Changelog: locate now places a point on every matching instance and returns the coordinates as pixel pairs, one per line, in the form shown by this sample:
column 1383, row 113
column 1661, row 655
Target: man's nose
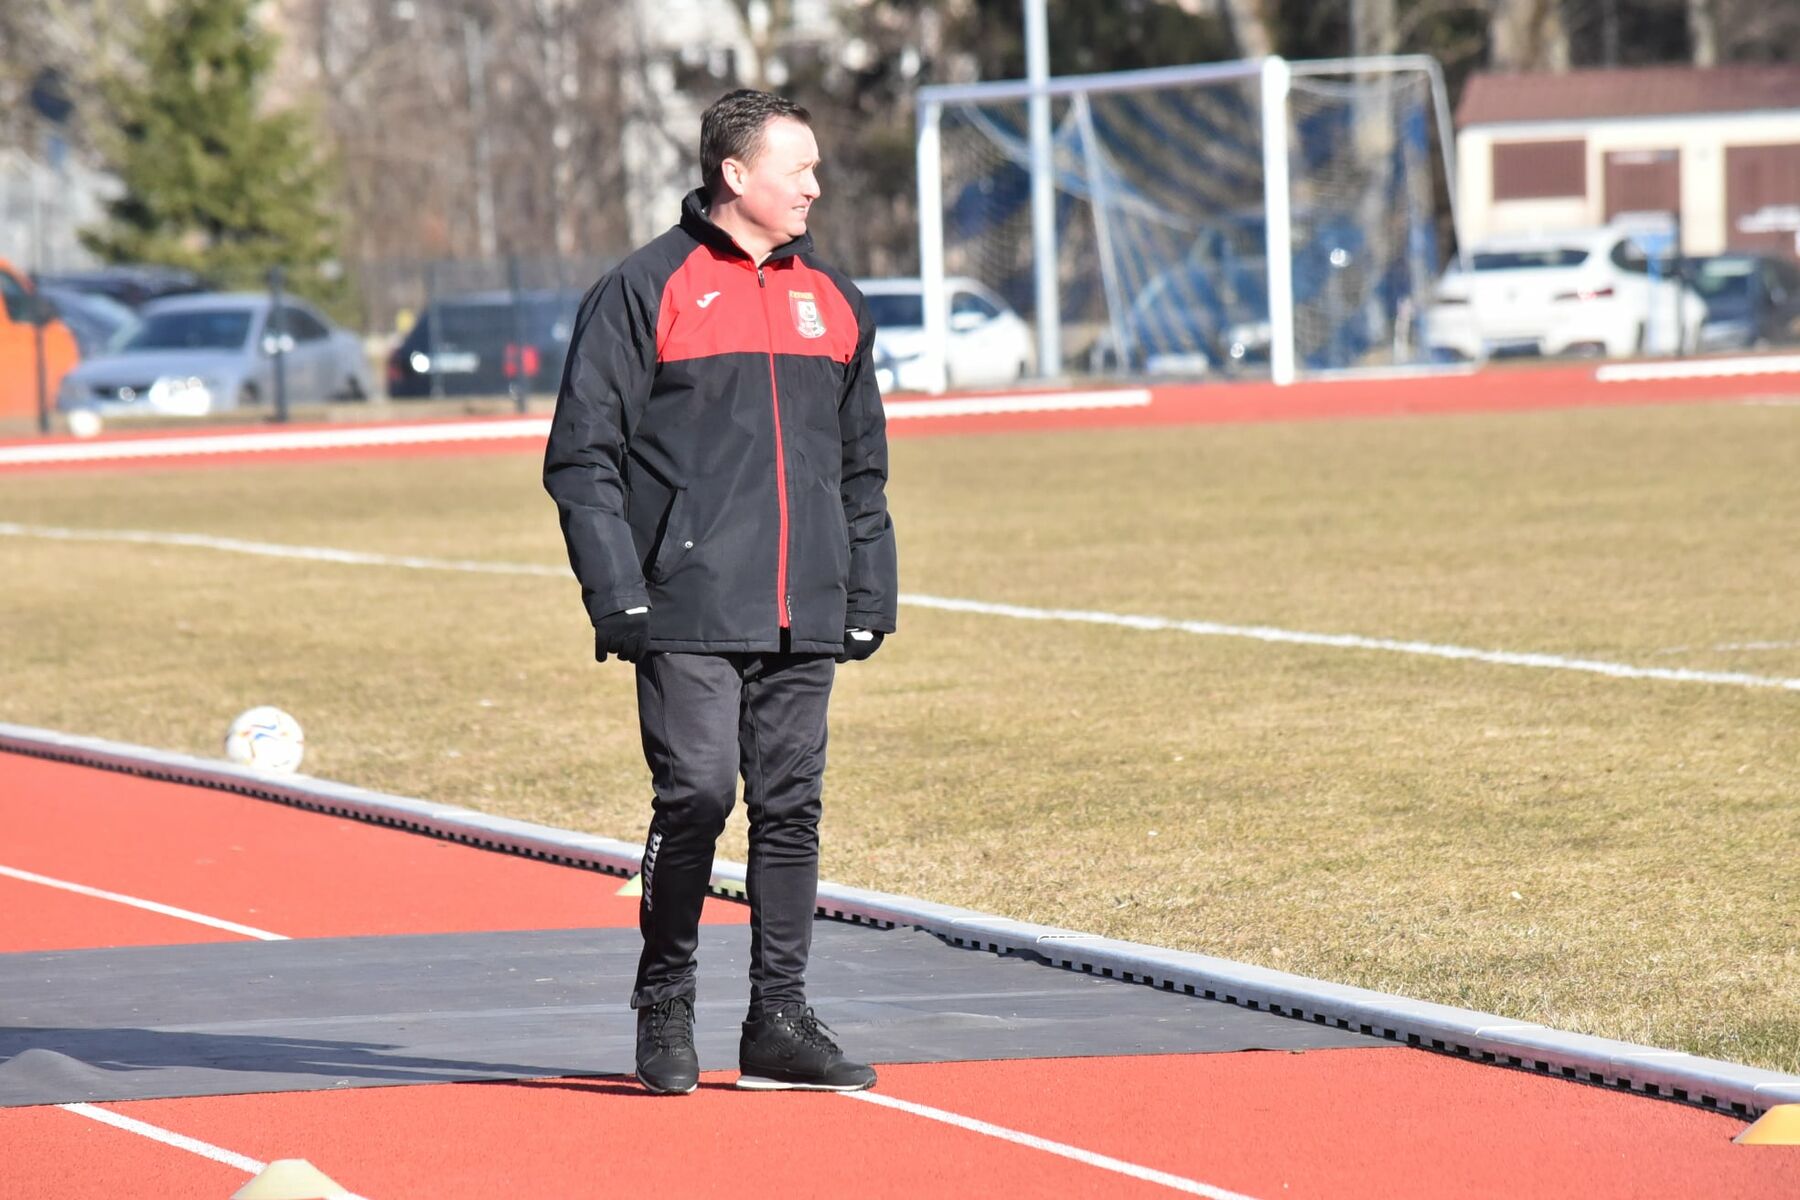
column 809, row 186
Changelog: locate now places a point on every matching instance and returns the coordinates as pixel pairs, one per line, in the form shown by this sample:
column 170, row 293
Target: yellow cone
column 290, row 1179
column 1780, row 1126
column 633, row 887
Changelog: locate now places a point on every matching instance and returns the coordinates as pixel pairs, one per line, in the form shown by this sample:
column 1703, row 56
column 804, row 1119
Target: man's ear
column 735, row 175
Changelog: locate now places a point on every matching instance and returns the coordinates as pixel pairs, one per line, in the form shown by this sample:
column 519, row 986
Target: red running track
column 1523, row 388
column 1375, row 1123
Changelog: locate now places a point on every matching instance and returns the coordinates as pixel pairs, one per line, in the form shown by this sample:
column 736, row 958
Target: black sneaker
column 666, row 1062
column 788, row 1048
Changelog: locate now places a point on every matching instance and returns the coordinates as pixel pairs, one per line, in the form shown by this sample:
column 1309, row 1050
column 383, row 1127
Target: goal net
column 1198, row 229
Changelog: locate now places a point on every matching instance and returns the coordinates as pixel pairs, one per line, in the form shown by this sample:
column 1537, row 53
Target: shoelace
column 814, row 1031
column 677, row 1013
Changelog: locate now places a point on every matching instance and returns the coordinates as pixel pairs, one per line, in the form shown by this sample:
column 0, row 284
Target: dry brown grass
column 1619, row 857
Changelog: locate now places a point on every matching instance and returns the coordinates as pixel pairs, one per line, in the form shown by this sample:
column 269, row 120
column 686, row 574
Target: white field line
column 1779, row 364
column 1350, row 641
column 355, row 558
column 180, row 1141
column 166, row 910
column 1192, row 1187
column 536, row 428
column 1261, row 633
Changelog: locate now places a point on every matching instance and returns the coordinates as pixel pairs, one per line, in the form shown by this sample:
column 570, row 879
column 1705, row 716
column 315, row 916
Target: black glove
column 860, row 643
column 626, row 634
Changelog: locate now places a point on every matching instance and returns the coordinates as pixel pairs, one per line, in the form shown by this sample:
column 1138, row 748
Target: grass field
column 1618, row 856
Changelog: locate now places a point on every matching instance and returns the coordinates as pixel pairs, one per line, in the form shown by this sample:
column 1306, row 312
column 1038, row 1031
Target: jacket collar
column 700, row 227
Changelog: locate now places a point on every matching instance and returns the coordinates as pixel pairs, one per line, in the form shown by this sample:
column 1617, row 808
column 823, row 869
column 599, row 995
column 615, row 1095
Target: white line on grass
column 355, row 558
column 180, row 1141
column 166, row 910
column 1192, row 1187
column 1350, row 641
column 1261, row 633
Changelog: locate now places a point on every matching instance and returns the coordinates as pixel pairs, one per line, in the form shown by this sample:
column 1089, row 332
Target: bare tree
column 1373, row 27
column 1527, row 35
column 1703, row 33
column 1249, row 26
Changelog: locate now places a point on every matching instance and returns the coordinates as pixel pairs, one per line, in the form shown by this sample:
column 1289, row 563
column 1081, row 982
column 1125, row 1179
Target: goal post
column 1260, row 216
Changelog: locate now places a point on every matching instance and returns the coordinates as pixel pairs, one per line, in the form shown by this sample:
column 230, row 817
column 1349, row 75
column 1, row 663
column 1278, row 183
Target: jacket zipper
column 782, row 603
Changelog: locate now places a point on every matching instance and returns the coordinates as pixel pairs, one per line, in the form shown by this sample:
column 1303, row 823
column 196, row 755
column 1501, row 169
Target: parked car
column 1581, row 292
column 131, row 286
column 1751, row 300
column 100, row 324
column 22, row 313
column 217, row 351
column 989, row 344
column 481, row 343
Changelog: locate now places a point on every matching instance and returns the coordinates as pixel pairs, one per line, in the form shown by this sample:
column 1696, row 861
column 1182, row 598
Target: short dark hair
column 733, row 128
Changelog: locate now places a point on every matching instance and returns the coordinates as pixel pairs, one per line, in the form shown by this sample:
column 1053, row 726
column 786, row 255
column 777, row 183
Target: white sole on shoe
column 762, row 1083
column 656, row 1091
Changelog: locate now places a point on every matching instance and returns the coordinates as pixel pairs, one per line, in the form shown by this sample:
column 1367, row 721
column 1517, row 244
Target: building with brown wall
column 1718, row 147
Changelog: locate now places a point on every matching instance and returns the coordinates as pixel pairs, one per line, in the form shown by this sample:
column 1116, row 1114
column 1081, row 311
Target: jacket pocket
column 672, row 538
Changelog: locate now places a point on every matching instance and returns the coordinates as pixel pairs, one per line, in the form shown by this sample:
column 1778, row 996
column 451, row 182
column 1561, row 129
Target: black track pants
column 706, row 719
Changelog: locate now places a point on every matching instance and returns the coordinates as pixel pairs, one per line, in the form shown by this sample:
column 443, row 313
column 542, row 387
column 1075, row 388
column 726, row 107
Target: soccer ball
column 265, row 738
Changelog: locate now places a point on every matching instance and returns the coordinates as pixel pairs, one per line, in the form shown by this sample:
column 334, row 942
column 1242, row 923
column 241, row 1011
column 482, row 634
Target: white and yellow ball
column 266, row 738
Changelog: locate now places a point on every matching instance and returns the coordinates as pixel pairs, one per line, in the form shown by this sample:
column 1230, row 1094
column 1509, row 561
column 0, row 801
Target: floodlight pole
column 1043, row 190
column 1278, row 219
column 931, row 244
column 278, row 320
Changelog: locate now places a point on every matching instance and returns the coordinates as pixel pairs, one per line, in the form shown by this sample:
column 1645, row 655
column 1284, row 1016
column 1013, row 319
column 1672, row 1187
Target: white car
column 1578, row 292
column 989, row 344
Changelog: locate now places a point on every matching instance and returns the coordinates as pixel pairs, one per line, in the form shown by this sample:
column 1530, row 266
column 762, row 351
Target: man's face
column 777, row 186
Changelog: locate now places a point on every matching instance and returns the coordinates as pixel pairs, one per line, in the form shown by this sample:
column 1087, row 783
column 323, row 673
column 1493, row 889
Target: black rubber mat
column 234, row 1017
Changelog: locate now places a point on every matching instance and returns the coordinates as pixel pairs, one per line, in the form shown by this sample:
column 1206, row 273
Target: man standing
column 719, row 461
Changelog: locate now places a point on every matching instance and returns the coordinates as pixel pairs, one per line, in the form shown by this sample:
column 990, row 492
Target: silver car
column 215, row 351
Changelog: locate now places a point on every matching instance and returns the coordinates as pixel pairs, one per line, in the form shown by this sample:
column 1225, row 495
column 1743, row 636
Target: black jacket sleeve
column 874, row 584
column 606, row 382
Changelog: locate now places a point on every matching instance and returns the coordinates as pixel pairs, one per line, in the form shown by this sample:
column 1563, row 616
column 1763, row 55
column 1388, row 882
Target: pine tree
column 212, row 181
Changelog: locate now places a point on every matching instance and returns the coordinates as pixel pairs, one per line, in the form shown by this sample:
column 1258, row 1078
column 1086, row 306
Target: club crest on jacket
column 807, row 320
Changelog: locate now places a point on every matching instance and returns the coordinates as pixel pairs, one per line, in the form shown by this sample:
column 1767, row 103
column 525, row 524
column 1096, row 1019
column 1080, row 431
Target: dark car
column 483, row 343
column 133, row 287
column 1751, row 300
column 100, row 323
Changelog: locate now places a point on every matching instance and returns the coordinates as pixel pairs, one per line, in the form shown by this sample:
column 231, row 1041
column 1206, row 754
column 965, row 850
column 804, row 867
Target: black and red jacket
column 719, row 451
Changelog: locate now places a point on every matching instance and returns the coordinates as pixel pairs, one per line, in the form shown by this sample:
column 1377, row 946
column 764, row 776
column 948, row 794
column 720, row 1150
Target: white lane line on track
column 537, row 428
column 1179, row 1183
column 1262, row 633
column 148, row 905
column 167, row 1137
column 974, row 406
column 1777, row 364
column 256, row 443
column 180, row 1141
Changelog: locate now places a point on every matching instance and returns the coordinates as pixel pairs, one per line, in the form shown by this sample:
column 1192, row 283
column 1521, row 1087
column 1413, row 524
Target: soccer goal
column 1246, row 217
